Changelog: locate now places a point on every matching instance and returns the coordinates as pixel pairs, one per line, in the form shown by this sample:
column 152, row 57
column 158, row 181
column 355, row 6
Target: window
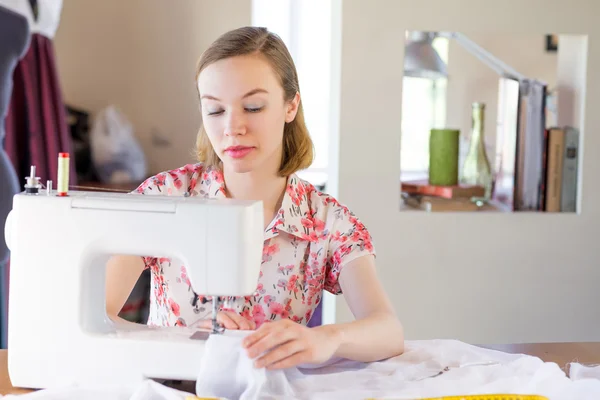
column 305, row 27
column 423, row 108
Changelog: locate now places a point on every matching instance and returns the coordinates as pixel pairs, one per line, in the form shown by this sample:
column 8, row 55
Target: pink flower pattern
column 306, row 246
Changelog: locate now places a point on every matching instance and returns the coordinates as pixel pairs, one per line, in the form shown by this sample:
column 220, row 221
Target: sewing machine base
column 96, row 362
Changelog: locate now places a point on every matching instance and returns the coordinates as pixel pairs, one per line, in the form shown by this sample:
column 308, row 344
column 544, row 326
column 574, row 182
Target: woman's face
column 244, row 112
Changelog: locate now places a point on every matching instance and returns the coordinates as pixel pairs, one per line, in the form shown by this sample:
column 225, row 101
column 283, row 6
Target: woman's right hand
column 230, row 320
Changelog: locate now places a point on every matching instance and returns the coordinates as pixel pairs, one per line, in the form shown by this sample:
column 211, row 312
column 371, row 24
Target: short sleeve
column 349, row 239
column 169, row 183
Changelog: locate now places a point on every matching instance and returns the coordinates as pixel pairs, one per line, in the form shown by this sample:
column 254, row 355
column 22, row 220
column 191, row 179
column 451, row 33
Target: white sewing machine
column 59, row 333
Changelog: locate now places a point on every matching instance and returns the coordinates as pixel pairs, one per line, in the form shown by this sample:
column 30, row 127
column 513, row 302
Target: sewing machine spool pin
column 32, row 185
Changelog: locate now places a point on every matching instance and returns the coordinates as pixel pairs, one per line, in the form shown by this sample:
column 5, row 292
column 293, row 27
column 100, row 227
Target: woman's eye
column 253, row 109
column 216, row 112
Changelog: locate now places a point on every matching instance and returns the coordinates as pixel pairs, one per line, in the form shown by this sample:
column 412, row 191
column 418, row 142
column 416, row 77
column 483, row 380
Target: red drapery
column 36, row 124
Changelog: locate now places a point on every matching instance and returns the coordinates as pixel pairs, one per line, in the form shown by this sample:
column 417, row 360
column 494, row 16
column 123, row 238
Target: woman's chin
column 241, row 166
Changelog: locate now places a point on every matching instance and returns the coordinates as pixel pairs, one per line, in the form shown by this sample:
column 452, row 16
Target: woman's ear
column 292, row 108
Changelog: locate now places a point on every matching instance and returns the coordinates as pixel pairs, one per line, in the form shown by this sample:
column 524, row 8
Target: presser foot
column 217, row 327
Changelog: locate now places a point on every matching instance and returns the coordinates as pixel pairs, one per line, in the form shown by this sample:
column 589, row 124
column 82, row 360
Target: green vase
column 443, row 157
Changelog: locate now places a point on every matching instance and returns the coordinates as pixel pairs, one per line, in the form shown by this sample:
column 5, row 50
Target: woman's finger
column 276, row 337
column 227, row 320
column 202, row 324
column 260, row 333
column 291, row 361
column 280, row 353
column 241, row 322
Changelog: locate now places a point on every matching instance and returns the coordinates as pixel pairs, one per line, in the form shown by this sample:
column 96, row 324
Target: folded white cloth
column 580, row 371
column 427, row 369
column 226, row 371
column 431, row 368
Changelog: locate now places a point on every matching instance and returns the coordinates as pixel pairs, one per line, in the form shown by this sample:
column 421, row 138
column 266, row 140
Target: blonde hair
column 297, row 145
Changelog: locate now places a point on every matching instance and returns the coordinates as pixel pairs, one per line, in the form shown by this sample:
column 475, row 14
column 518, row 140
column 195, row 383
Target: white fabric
column 148, row 390
column 48, row 16
column 580, row 371
column 226, row 371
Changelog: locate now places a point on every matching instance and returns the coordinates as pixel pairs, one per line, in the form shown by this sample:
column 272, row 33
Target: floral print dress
column 305, row 247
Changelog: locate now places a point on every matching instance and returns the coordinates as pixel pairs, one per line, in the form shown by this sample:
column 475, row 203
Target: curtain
column 36, row 124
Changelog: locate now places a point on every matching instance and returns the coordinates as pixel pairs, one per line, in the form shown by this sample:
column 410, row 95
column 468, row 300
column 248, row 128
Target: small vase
column 443, row 157
column 476, row 167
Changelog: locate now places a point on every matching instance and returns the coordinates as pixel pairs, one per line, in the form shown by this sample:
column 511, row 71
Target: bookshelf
column 481, row 277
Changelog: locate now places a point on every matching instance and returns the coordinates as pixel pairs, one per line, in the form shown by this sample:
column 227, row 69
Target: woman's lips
column 238, row 151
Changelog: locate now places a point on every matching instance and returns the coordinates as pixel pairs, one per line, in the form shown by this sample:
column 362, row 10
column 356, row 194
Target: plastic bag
column 116, row 154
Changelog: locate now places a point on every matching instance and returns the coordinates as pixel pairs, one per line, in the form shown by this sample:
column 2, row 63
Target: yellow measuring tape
column 486, row 397
column 468, row 397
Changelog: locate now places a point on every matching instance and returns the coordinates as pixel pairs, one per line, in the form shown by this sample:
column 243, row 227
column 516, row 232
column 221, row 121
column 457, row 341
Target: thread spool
column 62, row 182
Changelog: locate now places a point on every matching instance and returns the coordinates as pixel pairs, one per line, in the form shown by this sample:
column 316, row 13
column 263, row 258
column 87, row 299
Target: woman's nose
column 235, row 124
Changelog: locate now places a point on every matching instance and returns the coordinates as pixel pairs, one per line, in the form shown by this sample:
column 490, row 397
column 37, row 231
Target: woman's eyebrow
column 254, row 91
column 250, row 93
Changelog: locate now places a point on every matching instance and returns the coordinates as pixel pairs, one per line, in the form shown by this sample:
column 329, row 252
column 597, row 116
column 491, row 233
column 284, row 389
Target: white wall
column 141, row 56
column 478, row 277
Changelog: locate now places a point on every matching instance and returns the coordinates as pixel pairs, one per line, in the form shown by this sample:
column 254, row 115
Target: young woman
column 252, row 142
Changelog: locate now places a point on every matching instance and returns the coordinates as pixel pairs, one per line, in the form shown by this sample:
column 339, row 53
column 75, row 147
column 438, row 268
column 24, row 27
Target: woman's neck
column 257, row 185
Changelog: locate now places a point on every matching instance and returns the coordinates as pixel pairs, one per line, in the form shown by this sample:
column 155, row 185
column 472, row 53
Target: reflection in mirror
column 479, row 122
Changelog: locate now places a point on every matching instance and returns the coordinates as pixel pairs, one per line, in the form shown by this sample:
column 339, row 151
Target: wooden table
column 559, row 353
column 5, row 386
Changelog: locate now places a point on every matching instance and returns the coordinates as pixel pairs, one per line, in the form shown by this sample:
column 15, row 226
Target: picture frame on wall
column 551, row 43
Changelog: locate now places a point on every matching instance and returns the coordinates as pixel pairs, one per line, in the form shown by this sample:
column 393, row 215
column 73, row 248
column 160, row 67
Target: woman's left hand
column 285, row 344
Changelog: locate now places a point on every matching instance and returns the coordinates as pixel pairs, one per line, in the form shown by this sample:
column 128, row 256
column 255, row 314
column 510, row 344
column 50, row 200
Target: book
column 568, row 199
column 561, row 166
column 554, row 176
column 506, row 140
column 530, row 145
